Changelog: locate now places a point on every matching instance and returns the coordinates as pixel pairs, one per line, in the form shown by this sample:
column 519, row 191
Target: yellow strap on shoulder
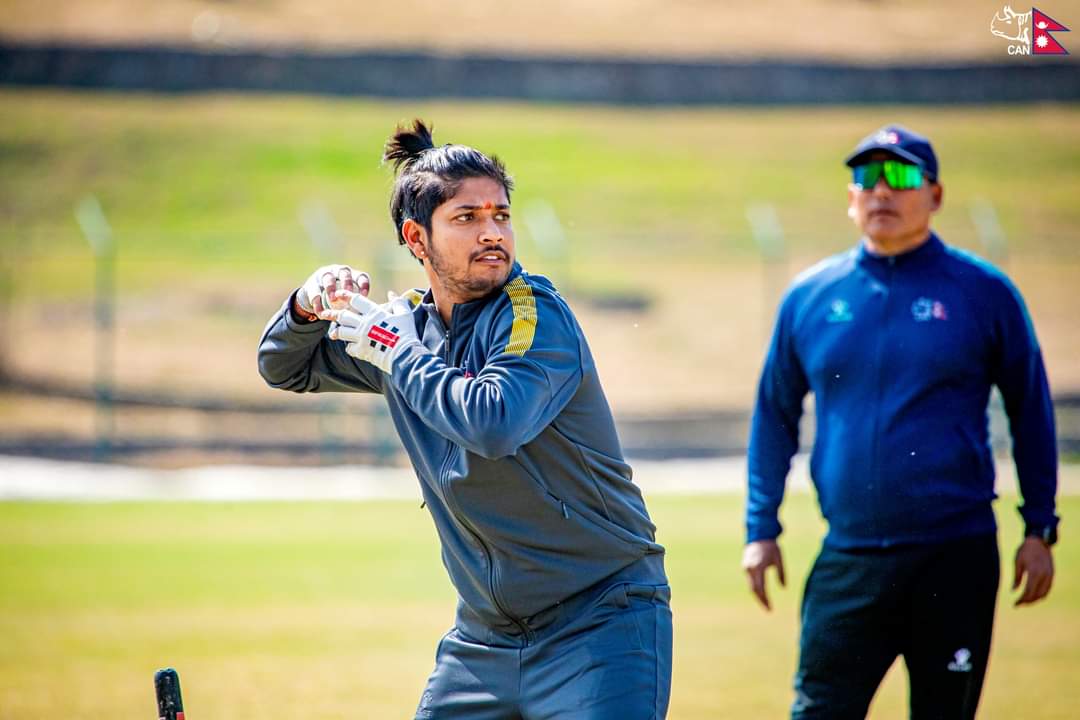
column 524, row 304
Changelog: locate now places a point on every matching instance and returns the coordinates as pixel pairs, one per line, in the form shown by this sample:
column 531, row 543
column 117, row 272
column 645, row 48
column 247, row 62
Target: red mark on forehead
column 488, row 205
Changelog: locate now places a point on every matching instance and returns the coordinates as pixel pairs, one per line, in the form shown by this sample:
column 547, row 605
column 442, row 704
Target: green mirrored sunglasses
column 898, row 175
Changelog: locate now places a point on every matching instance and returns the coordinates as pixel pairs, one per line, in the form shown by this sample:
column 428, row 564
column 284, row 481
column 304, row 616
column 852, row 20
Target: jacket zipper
column 880, row 361
column 452, row 502
column 443, row 471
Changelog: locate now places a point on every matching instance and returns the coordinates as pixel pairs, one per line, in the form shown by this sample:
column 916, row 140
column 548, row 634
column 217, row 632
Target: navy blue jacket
column 900, row 354
column 506, row 424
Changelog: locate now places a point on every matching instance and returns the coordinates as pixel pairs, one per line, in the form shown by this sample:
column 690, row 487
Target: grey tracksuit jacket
column 511, row 437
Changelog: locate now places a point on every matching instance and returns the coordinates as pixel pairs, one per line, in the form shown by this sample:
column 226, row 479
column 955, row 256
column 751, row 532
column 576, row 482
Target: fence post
column 7, row 293
column 325, row 237
column 95, row 227
column 769, row 237
column 391, row 262
column 987, row 226
column 548, row 235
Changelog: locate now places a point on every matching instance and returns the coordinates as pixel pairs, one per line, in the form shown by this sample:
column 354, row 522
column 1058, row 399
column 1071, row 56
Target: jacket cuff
column 298, row 323
column 762, row 530
column 1038, row 518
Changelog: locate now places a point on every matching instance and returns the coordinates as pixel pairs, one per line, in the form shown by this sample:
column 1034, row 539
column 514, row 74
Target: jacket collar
column 922, row 256
column 467, row 312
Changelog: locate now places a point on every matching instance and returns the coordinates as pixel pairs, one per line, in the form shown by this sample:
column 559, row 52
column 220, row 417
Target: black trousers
column 932, row 604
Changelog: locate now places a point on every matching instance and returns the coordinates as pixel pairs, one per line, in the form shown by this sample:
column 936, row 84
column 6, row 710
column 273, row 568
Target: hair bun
column 407, row 144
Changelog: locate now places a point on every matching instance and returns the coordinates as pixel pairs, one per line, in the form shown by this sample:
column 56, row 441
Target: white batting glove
column 327, row 289
column 376, row 333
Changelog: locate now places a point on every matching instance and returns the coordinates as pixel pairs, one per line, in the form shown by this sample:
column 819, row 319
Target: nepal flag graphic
column 1042, row 42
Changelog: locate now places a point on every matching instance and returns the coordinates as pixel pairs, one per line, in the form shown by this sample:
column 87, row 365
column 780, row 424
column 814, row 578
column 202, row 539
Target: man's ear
column 415, row 236
column 937, row 193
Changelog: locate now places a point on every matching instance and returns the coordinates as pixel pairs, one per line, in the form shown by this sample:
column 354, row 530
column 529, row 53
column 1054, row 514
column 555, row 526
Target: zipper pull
column 565, row 510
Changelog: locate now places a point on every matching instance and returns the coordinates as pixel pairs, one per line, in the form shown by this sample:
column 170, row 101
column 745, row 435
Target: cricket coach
column 900, row 341
column 563, row 601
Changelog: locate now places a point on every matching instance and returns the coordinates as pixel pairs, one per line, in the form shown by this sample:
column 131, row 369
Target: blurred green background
column 208, row 197
column 207, row 183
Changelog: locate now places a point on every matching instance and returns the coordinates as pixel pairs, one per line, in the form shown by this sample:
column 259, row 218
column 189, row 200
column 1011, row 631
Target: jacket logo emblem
column 383, row 336
column 887, row 137
column 839, row 311
column 961, row 661
column 925, row 310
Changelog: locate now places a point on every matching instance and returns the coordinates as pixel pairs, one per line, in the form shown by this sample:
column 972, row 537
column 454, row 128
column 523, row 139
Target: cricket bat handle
column 167, row 687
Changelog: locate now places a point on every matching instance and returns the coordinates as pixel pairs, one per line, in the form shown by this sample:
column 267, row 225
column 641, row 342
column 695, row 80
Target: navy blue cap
column 899, row 141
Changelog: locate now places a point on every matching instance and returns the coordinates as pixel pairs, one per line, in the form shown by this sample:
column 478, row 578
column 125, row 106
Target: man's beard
column 461, row 284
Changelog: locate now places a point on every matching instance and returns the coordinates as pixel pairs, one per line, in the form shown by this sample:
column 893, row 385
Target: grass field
column 212, row 180
column 204, row 193
column 319, row 610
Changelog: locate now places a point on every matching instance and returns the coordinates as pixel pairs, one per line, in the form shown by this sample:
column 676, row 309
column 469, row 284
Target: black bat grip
column 167, row 687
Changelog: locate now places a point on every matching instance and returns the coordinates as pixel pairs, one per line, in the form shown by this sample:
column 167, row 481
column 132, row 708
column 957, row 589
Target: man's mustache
column 490, row 251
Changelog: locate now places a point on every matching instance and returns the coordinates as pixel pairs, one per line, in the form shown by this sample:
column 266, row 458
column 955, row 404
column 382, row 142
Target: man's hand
column 756, row 559
column 1033, row 559
column 329, row 288
column 375, row 333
